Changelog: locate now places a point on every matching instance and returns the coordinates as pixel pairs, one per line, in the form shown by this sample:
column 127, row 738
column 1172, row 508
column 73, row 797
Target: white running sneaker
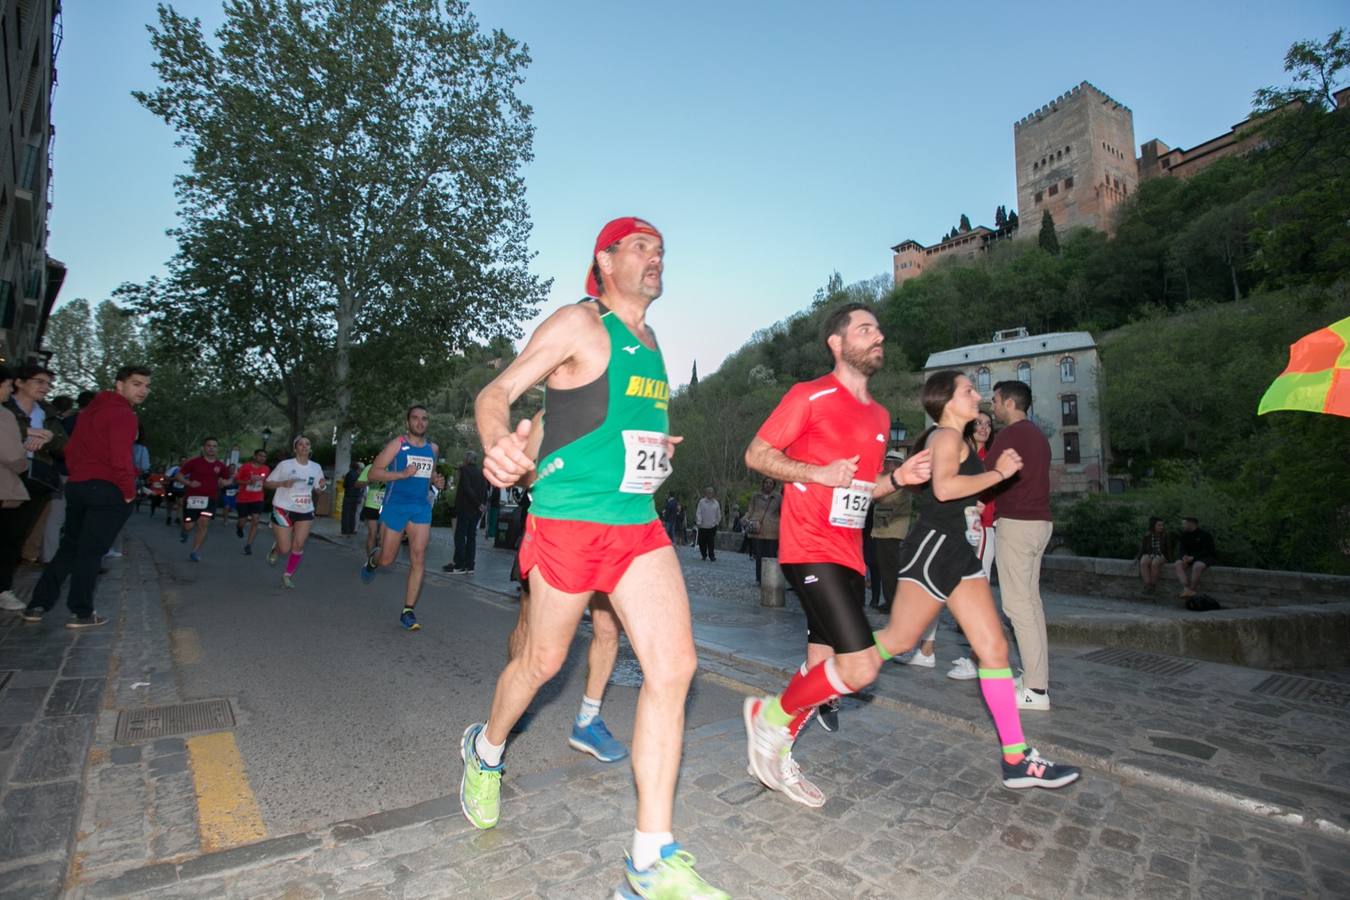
column 963, row 669
column 795, row 785
column 763, row 743
column 10, row 601
column 917, row 658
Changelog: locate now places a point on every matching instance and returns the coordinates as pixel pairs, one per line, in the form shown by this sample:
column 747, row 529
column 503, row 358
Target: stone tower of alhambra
column 1075, row 157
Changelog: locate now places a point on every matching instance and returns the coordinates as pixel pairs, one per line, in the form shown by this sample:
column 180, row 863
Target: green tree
column 1048, row 240
column 1000, row 218
column 89, row 344
column 964, row 226
column 1317, row 71
column 1012, row 219
column 376, row 147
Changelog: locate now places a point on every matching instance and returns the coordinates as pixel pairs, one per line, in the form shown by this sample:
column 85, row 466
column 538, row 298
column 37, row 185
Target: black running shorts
column 370, row 514
column 252, row 508
column 938, row 561
column 832, row 596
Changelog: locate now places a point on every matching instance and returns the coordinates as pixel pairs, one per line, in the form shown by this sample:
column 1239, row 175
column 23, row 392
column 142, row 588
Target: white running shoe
column 963, row 670
column 763, row 743
column 795, row 785
column 10, row 601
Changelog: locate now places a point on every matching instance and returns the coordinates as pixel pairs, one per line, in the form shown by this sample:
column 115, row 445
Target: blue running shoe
column 194, row 557
column 409, row 621
column 596, row 740
column 672, row 875
column 367, row 574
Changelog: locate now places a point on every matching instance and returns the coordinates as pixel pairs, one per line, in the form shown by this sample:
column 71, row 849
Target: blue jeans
column 466, row 540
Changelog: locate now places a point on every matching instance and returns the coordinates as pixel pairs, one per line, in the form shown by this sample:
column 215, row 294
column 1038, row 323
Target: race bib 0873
column 848, row 505
column 645, row 462
column 425, row 465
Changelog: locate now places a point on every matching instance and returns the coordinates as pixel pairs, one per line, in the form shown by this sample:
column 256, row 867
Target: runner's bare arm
column 437, row 479
column 551, row 346
column 767, row 459
column 916, row 470
column 379, row 469
column 946, row 445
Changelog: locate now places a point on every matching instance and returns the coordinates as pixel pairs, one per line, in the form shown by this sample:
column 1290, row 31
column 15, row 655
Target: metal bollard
column 771, row 583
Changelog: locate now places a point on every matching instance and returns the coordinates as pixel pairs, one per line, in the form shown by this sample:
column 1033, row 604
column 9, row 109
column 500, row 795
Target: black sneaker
column 1033, row 771
column 93, row 620
column 828, row 715
column 32, row 615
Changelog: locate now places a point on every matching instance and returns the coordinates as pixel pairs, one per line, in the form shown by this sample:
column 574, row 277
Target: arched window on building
column 982, row 380
column 1024, row 372
column 1067, row 370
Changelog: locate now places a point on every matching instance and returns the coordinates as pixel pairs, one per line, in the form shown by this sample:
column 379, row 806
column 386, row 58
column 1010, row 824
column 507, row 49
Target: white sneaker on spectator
column 113, row 553
column 963, row 669
column 1029, row 699
column 10, row 601
column 917, row 658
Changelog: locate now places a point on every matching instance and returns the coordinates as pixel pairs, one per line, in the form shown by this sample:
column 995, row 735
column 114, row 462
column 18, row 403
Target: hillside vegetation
column 1194, row 302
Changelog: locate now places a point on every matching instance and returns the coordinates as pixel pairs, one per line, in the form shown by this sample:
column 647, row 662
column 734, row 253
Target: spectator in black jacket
column 1195, row 547
column 470, row 502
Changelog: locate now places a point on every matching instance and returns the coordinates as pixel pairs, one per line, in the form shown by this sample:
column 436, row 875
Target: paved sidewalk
column 1263, row 742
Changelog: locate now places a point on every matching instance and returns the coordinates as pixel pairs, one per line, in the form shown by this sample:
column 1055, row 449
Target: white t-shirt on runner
column 300, row 496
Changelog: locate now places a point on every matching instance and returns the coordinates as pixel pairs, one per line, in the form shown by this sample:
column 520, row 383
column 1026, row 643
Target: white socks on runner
column 647, row 847
column 589, row 710
column 488, row 752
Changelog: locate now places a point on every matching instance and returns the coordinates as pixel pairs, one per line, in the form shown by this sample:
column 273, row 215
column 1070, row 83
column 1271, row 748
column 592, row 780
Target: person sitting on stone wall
column 1195, row 547
column 1156, row 547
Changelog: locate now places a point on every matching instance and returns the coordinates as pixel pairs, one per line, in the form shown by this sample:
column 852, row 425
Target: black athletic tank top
column 951, row 516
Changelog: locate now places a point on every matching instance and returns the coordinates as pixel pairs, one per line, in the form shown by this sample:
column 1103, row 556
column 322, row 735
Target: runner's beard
column 863, row 360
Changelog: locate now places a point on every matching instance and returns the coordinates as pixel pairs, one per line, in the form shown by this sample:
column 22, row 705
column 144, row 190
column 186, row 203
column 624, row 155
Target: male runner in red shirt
column 249, row 503
column 203, row 476
column 826, row 442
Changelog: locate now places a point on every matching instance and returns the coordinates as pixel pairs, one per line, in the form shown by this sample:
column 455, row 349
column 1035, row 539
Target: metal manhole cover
column 1305, row 690
column 162, row 721
column 4, row 678
column 1139, row 661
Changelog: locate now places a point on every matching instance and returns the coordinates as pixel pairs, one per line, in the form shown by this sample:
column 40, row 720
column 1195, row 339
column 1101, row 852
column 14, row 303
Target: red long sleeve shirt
column 100, row 449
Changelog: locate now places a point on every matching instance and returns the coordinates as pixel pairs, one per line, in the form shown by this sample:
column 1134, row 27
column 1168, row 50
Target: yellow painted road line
column 227, row 812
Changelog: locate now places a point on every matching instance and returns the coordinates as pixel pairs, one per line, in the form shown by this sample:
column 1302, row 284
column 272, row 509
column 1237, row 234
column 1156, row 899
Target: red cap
column 611, row 234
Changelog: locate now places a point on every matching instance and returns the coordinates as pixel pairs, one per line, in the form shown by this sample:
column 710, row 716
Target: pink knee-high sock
column 293, row 562
column 1000, row 695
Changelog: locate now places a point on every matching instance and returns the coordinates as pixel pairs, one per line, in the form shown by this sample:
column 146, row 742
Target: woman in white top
column 295, row 481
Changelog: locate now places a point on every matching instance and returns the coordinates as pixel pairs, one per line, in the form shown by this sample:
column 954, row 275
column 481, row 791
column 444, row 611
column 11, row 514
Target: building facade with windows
column 1064, row 372
column 30, row 38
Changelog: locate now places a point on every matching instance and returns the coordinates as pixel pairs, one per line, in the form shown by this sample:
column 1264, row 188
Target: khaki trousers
column 1021, row 544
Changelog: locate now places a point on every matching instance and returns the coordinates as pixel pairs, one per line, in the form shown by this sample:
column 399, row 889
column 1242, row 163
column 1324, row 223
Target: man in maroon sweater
column 1024, row 527
column 99, row 494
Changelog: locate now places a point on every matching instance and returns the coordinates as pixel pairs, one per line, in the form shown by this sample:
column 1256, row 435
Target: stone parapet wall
column 1233, row 587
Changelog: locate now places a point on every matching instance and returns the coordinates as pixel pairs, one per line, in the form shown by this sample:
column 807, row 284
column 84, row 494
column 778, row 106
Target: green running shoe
column 480, row 787
column 672, row 876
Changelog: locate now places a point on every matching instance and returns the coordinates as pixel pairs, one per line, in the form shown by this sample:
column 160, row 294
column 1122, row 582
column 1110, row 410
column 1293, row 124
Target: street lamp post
column 266, row 436
column 898, row 433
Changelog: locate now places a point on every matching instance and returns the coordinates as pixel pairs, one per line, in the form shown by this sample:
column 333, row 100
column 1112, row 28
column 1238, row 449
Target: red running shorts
column 579, row 557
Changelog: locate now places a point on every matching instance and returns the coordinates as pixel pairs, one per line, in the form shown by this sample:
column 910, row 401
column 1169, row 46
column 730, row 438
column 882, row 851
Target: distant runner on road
column 407, row 466
column 295, row 481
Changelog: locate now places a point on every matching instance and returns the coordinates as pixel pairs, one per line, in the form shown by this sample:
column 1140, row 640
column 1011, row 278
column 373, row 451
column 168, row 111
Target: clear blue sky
column 773, row 143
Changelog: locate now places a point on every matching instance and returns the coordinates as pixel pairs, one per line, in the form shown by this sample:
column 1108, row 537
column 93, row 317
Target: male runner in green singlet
column 593, row 527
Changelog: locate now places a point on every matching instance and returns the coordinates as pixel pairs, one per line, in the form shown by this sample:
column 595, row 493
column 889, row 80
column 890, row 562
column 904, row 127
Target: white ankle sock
column 589, row 710
column 488, row 752
column 647, row 847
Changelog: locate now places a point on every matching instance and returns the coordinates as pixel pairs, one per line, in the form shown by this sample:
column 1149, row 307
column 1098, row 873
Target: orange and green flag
column 1317, row 378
